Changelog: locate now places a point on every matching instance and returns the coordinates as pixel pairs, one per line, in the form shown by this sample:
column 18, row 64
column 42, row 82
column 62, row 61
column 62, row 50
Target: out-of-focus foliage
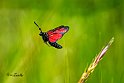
column 92, row 23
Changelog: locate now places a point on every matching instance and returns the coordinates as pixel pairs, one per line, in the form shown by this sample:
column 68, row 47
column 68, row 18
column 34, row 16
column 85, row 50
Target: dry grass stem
column 95, row 62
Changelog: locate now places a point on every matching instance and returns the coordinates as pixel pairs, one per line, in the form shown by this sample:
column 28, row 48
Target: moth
column 52, row 36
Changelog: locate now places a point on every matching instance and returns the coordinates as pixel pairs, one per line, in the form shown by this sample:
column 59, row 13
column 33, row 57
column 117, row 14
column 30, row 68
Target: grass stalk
column 95, row 62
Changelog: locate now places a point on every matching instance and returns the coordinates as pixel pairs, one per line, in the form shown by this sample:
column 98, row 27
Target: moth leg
column 47, row 44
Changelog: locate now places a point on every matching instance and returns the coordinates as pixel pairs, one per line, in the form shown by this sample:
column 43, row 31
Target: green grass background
column 92, row 24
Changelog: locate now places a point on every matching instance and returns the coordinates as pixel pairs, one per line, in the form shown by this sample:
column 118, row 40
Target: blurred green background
column 92, row 24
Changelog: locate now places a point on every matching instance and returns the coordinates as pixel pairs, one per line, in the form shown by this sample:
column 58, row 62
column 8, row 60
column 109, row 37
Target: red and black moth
column 52, row 36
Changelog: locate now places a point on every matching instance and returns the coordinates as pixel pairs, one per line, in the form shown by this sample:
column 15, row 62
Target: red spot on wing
column 55, row 37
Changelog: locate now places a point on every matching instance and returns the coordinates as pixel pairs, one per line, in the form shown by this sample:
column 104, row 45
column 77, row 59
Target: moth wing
column 57, row 33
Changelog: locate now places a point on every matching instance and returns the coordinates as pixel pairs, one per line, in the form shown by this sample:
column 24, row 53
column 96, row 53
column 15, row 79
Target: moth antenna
column 37, row 26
